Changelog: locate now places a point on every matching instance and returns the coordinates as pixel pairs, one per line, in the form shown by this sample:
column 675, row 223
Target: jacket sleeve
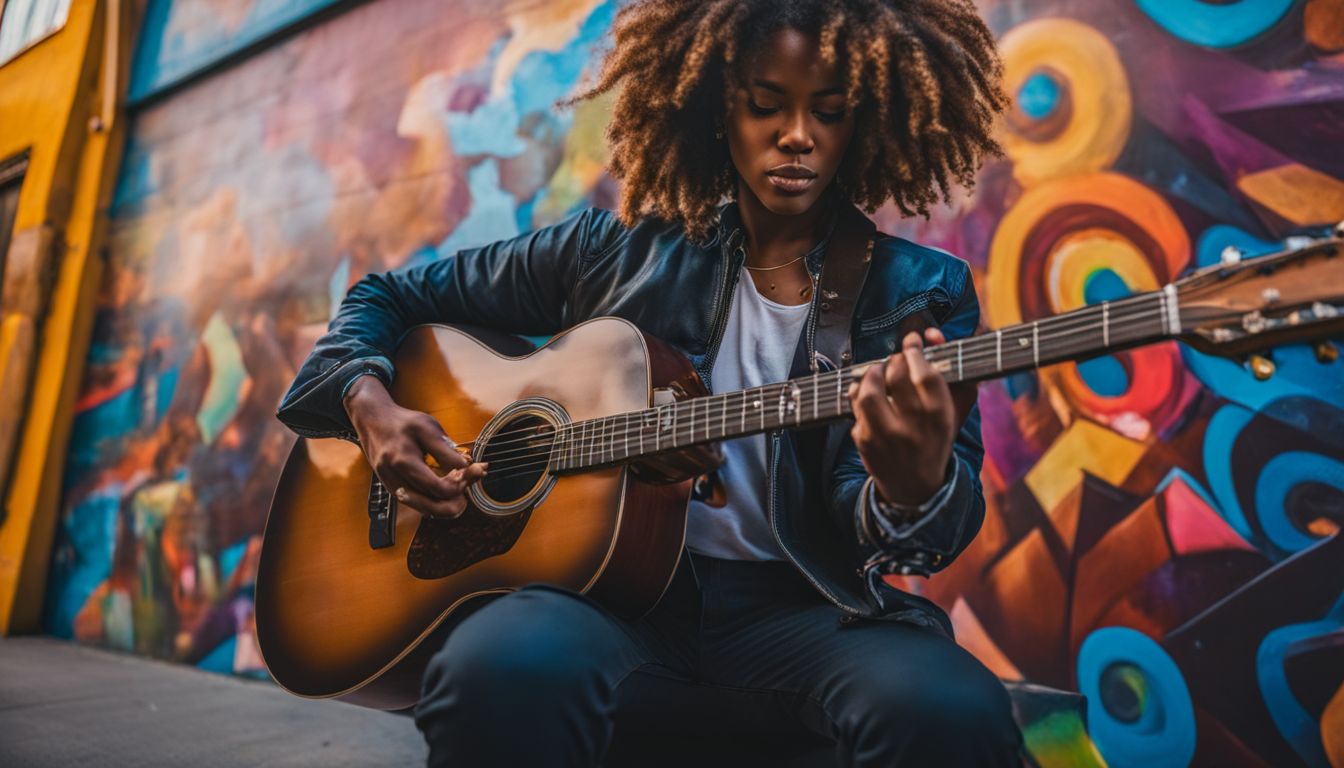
column 927, row 538
column 521, row 285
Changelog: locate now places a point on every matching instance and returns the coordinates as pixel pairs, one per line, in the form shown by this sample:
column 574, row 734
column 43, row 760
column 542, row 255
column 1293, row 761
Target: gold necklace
column 803, row 292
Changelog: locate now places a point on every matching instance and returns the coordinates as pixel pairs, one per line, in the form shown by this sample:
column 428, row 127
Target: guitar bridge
column 382, row 516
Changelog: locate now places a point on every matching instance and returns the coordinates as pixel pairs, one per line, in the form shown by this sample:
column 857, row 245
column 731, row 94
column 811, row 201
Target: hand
column 905, row 419
column 395, row 442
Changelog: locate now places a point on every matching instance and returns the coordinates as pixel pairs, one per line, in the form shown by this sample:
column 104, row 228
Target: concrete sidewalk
column 62, row 704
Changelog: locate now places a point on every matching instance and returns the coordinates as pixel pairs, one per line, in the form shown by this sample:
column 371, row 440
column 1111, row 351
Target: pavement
column 63, row 704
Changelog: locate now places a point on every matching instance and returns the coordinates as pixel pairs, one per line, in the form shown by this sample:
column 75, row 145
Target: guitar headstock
column 1246, row 304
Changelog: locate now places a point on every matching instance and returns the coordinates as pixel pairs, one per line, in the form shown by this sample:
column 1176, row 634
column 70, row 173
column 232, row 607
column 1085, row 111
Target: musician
column 795, row 113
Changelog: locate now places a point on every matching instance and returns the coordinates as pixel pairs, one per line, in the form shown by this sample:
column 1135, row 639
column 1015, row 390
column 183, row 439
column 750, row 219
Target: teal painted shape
column 1216, row 25
column 1038, row 97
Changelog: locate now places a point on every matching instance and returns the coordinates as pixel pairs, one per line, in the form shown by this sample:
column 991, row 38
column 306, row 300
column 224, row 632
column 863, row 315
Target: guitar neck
column 1083, row 333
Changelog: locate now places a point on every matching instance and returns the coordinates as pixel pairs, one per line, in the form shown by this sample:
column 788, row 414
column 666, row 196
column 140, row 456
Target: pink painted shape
column 1194, row 526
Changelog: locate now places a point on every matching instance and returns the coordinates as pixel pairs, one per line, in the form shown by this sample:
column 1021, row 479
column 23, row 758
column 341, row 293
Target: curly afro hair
column 923, row 79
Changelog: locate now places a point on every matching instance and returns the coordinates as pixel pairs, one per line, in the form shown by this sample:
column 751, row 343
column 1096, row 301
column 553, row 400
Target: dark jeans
column 545, row 677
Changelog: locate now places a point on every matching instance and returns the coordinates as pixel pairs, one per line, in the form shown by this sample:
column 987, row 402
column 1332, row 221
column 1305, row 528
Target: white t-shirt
column 727, row 515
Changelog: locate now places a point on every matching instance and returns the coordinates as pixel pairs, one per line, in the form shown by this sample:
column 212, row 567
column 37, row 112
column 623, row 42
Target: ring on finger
column 400, row 493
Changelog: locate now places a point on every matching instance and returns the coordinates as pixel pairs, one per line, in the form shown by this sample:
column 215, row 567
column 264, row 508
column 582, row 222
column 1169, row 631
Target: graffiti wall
column 1161, row 532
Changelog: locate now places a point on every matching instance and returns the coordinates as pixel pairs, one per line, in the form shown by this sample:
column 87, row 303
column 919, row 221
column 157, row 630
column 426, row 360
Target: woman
column 796, row 112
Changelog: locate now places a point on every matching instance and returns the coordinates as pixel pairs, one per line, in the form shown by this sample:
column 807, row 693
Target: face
column 788, row 127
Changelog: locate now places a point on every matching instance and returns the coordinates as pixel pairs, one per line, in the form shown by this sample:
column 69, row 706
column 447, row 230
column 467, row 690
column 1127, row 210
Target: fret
column 961, row 372
column 998, row 349
column 642, row 420
column 839, row 381
column 1172, row 306
column 674, row 410
column 1106, row 324
column 625, row 449
column 815, row 399
column 723, row 422
column 1036, row 342
column 742, row 430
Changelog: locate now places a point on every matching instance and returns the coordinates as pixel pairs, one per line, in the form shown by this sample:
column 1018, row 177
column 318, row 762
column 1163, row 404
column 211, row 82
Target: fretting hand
column 905, row 419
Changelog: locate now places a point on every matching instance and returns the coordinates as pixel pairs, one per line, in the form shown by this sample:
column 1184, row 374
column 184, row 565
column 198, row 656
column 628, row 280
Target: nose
column 795, row 138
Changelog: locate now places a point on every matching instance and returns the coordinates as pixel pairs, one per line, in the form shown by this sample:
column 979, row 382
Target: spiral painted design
column 1071, row 101
column 1081, row 240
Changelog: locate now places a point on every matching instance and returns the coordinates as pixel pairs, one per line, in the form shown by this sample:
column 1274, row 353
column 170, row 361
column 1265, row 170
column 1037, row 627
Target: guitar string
column 935, row 354
column 539, row 460
column 601, row 433
column 717, row 418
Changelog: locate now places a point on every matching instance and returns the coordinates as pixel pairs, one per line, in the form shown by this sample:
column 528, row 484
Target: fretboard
column 1093, row 330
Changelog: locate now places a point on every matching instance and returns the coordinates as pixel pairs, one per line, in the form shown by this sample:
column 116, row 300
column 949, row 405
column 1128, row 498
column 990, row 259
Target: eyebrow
column 777, row 88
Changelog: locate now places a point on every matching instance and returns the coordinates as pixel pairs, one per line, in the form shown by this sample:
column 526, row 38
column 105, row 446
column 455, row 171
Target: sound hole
column 518, row 454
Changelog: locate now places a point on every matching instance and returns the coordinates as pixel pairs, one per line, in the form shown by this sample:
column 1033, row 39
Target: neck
column 774, row 238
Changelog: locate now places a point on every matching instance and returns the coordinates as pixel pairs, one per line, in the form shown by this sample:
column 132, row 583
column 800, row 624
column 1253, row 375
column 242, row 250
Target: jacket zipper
column 719, row 312
column 771, row 505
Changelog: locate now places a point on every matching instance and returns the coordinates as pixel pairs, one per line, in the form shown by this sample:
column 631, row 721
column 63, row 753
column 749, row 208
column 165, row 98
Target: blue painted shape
column 1104, row 375
column 230, row 558
column 1039, row 95
column 165, row 56
column 1278, row 477
column 1164, row 734
column 1299, row 727
column 221, row 658
column 1216, row 25
column 82, row 557
column 1212, row 241
column 1104, row 285
column 1219, row 439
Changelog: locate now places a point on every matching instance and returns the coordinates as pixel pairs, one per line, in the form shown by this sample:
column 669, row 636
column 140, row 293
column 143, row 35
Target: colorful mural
column 1162, row 531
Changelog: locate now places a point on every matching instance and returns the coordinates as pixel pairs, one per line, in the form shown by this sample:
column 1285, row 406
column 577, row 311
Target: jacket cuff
column 318, row 410
column 895, row 522
column 912, row 540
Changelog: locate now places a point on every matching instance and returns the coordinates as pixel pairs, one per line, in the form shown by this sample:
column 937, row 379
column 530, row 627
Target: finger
column 871, row 404
column 417, row 476
column 899, row 387
column 929, row 385
column 434, row 442
column 427, row 506
column 460, row 479
column 934, row 336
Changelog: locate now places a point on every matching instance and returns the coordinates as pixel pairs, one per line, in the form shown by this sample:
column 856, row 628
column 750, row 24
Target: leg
column 527, row 680
column 888, row 693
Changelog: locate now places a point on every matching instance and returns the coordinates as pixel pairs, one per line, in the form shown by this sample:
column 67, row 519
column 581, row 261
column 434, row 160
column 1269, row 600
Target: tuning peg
column 1262, row 367
column 1326, row 352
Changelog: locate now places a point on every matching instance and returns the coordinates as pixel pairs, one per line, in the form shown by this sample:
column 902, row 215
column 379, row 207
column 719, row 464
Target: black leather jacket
column 590, row 265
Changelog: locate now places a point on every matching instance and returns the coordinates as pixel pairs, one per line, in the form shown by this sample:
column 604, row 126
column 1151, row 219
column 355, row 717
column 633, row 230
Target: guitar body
column 339, row 618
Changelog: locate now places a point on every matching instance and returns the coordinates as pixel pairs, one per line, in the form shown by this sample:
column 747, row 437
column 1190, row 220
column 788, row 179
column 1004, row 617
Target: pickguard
column 444, row 546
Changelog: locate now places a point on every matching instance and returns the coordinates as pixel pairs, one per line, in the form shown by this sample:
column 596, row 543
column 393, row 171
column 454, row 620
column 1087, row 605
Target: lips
column 791, row 178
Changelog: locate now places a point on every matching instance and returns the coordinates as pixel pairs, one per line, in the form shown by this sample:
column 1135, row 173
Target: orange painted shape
column 1301, row 195
column 972, row 636
column 1323, row 23
column 1332, row 729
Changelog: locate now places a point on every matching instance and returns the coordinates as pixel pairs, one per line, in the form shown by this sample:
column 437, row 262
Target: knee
column 958, row 719
column 530, row 645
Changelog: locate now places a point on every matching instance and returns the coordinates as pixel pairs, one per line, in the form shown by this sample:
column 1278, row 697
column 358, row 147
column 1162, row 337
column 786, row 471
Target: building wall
column 48, row 96
column 1161, row 525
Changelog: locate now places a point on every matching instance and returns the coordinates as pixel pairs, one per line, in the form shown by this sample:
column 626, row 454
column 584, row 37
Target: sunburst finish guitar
column 592, row 441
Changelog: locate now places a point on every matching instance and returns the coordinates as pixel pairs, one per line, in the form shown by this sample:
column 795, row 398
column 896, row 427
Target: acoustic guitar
column 591, row 462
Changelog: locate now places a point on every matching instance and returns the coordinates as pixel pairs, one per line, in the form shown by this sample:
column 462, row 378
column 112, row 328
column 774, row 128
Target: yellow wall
column 48, row 96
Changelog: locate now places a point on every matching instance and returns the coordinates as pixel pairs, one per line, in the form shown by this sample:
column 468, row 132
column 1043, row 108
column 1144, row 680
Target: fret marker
column 1172, row 307
column 1106, row 323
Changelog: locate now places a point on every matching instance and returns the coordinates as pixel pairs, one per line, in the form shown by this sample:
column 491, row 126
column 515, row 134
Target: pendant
column 805, row 292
